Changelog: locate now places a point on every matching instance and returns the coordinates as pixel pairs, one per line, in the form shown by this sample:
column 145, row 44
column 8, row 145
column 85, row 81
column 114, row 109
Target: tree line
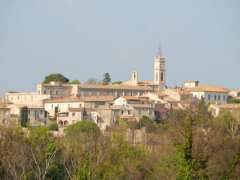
column 57, row 77
column 188, row 144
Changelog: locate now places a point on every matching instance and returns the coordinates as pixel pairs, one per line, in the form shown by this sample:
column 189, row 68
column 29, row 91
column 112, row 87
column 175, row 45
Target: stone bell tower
column 159, row 71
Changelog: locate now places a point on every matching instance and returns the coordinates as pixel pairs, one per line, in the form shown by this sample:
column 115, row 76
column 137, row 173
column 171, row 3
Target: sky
column 83, row 39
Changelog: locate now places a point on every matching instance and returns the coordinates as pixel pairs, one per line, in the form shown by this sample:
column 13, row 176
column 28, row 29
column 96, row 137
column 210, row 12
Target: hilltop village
column 65, row 103
column 137, row 129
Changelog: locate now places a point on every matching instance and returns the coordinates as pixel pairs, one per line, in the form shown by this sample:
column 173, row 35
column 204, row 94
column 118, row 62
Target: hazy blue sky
column 85, row 38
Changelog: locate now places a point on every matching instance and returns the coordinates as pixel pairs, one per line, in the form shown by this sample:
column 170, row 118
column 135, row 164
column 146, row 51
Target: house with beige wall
column 36, row 115
column 56, row 89
column 234, row 109
column 210, row 93
column 133, row 108
column 26, row 99
column 5, row 116
column 59, row 105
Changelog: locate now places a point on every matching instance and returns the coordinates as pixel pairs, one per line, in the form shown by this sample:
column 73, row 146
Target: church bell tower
column 159, row 71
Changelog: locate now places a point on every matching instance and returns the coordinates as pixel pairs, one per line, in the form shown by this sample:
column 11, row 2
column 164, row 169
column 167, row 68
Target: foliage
column 56, row 78
column 226, row 122
column 53, row 127
column 43, row 151
column 84, row 126
column 148, row 123
column 106, row 79
column 75, row 82
column 233, row 100
column 190, row 144
column 117, row 82
column 92, row 81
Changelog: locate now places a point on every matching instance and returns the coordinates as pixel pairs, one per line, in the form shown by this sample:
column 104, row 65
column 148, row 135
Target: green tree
column 117, row 82
column 106, row 79
column 226, row 122
column 56, row 77
column 232, row 100
column 43, row 150
column 148, row 123
column 81, row 149
column 75, row 82
column 92, row 81
column 85, row 126
column 15, row 161
column 53, row 127
column 185, row 149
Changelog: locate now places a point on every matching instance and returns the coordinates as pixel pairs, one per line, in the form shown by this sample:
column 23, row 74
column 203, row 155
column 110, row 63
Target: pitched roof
column 208, row 88
column 135, row 98
column 3, row 106
column 81, row 99
column 115, row 87
column 142, row 106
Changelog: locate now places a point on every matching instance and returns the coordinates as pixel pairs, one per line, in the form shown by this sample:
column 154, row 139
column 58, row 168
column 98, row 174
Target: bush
column 55, row 77
column 53, row 127
column 85, row 126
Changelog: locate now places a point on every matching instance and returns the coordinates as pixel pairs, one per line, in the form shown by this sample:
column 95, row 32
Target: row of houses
column 105, row 104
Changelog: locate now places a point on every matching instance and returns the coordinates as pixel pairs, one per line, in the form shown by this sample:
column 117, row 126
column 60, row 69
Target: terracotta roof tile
column 208, row 88
column 81, row 99
column 115, row 87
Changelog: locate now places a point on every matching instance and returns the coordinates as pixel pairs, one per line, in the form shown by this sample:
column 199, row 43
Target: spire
column 160, row 52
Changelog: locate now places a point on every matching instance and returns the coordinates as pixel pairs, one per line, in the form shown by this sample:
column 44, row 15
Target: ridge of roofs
column 3, row 106
column 117, row 86
column 209, row 88
column 80, row 99
column 131, row 98
column 101, row 86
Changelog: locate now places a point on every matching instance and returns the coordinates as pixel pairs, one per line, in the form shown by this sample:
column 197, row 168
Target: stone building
column 159, row 72
column 26, row 99
column 133, row 108
column 63, row 104
column 4, row 114
column 210, row 93
column 133, row 87
column 60, row 90
column 234, row 109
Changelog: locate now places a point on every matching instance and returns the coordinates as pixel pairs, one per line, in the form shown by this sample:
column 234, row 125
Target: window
column 162, row 76
column 219, row 97
column 215, row 97
column 209, row 97
column 139, row 112
column 122, row 112
column 73, row 114
column 45, row 114
column 129, row 112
